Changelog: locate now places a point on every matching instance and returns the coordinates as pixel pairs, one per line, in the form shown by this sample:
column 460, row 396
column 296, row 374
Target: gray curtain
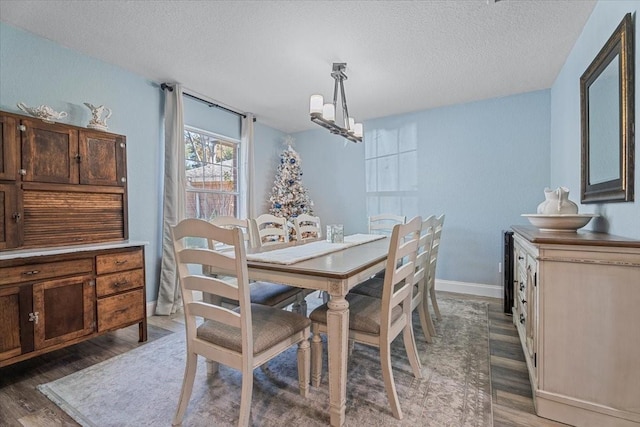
column 247, row 197
column 169, row 297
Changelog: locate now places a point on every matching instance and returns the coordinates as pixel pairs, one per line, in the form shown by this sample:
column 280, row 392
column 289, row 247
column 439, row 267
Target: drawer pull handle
column 118, row 284
column 31, row 273
column 520, row 257
column 120, row 262
column 120, row 311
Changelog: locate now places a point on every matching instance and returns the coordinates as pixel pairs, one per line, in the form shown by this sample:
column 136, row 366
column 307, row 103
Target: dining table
column 335, row 270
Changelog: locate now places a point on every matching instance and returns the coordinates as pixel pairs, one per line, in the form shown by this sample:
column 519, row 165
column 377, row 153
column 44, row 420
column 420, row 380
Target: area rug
column 141, row 387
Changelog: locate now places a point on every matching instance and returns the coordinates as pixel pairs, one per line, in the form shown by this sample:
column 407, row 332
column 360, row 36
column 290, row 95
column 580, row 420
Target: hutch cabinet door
column 8, row 148
column 10, row 216
column 16, row 334
column 49, row 152
column 102, row 159
column 63, row 309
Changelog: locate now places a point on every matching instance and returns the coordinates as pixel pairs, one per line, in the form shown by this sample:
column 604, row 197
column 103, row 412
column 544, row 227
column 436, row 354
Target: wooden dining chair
column 374, row 286
column 267, row 229
column 383, row 223
column 307, row 227
column 265, row 293
column 431, row 276
column 377, row 322
column 243, row 338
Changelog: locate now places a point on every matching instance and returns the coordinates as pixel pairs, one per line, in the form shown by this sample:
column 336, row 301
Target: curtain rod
column 164, row 86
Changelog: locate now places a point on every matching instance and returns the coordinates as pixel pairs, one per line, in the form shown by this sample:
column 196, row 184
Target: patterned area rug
column 141, row 387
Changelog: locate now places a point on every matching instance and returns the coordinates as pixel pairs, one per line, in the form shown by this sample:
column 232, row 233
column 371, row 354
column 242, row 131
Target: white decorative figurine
column 97, row 122
column 44, row 112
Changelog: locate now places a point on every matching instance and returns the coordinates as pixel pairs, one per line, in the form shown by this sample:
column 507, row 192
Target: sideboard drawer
column 114, row 283
column 120, row 261
column 34, row 272
column 120, row 310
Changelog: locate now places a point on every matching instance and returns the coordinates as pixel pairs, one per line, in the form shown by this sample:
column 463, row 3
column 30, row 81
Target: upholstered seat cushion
column 266, row 293
column 270, row 326
column 371, row 287
column 364, row 313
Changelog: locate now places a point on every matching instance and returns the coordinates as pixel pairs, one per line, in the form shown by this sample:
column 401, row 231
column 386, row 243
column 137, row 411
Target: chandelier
column 325, row 114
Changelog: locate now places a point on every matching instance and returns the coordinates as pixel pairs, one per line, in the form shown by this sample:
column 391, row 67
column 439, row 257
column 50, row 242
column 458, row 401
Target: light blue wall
column 482, row 164
column 37, row 71
column 199, row 115
column 617, row 218
column 334, row 174
column 268, row 144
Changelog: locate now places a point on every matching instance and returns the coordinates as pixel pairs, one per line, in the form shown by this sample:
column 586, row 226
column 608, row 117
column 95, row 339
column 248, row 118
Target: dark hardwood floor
column 21, row 404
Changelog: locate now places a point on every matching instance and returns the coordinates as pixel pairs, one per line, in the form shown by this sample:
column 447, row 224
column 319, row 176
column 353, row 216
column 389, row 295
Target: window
column 391, row 162
column 211, row 168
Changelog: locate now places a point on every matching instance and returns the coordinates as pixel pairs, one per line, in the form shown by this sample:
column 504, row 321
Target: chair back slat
column 231, row 222
column 269, row 229
column 212, row 285
column 307, row 227
column 435, row 247
column 423, row 259
column 383, row 223
column 400, row 268
column 217, row 312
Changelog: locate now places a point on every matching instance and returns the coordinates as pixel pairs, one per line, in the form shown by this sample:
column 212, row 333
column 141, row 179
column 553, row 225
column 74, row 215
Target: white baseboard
column 151, row 308
column 479, row 289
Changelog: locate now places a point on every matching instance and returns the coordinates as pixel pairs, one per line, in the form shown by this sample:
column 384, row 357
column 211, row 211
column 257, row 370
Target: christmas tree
column 289, row 198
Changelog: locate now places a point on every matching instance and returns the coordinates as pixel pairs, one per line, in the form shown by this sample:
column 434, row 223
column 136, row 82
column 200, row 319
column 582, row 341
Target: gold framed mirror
column 607, row 120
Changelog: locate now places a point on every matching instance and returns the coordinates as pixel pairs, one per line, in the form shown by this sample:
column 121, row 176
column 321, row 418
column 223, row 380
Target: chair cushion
column 270, row 326
column 266, row 293
column 271, row 294
column 364, row 313
column 371, row 287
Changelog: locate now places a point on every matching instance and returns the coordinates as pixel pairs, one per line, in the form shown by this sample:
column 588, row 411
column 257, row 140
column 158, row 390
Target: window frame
column 236, row 167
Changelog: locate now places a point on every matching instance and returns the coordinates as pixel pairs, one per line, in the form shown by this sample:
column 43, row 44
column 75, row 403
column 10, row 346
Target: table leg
column 337, row 336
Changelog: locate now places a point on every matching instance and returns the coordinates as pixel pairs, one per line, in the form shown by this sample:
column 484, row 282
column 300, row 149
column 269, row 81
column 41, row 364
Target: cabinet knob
column 123, row 179
column 520, row 257
column 22, row 172
column 33, row 317
column 522, row 318
column 16, row 216
column 524, row 301
column 22, row 128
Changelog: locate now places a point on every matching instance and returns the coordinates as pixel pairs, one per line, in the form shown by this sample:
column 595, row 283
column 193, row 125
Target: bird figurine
column 97, row 121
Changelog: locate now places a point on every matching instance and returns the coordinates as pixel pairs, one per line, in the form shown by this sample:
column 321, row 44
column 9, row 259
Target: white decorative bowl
column 561, row 222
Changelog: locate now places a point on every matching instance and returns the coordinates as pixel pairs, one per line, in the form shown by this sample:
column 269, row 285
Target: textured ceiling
column 268, row 57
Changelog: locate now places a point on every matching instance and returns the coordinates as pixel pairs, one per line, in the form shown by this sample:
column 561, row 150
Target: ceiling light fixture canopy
column 325, row 114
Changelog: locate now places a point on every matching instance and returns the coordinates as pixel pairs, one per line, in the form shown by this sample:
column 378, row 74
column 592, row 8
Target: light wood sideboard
column 577, row 311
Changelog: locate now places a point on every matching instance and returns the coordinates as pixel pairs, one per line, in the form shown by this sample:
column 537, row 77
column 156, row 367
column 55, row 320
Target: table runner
column 293, row 254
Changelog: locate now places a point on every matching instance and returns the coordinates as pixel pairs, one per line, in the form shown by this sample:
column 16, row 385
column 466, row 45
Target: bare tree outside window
column 211, row 168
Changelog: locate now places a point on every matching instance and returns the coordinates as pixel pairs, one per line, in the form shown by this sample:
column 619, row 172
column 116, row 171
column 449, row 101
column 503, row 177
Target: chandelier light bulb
column 357, row 130
column 315, row 104
column 329, row 112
